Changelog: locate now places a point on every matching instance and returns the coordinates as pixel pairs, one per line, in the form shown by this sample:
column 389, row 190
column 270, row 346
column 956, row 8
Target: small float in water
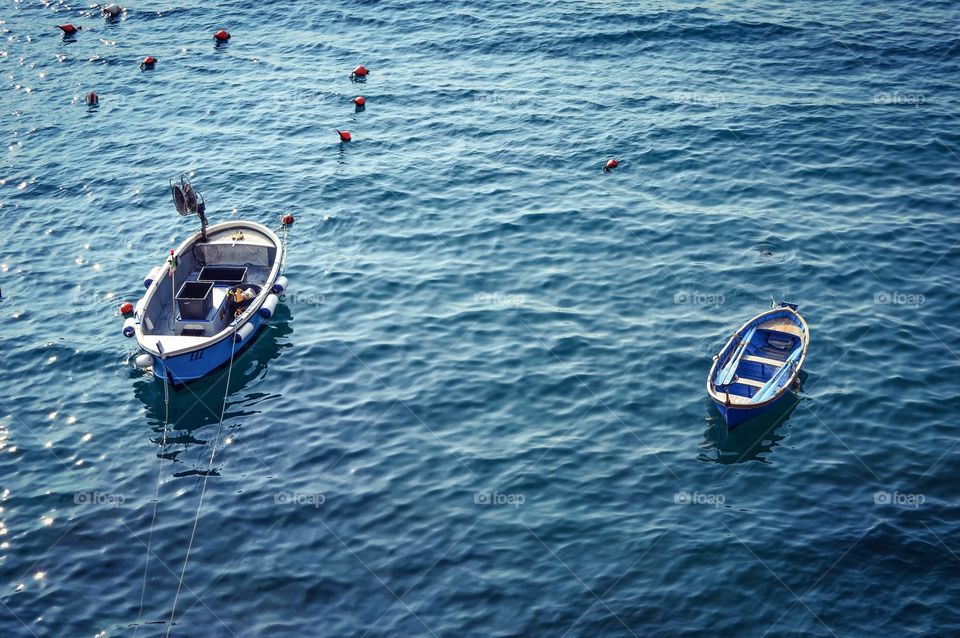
column 208, row 302
column 759, row 365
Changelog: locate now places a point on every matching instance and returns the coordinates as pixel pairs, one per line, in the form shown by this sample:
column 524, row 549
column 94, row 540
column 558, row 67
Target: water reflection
column 752, row 440
column 198, row 404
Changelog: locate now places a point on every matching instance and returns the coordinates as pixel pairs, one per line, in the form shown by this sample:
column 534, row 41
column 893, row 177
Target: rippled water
column 481, row 411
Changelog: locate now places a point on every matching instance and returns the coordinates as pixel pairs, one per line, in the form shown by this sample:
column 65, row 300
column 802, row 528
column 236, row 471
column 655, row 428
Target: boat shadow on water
column 198, row 404
column 752, row 440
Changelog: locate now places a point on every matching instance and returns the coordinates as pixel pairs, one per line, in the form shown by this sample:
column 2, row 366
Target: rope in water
column 203, row 489
column 156, row 500
column 163, row 447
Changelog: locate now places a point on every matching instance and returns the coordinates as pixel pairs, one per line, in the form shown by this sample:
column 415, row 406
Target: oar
column 725, row 376
column 770, row 387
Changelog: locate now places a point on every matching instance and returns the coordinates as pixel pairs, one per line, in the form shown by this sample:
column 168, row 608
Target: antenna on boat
column 189, row 202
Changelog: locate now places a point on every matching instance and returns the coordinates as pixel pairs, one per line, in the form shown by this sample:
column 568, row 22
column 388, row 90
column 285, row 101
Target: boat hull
column 190, row 366
column 754, row 383
column 194, row 337
column 734, row 415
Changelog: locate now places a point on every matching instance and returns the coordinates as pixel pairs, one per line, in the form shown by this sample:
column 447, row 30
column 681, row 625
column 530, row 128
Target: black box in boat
column 195, row 299
column 223, row 274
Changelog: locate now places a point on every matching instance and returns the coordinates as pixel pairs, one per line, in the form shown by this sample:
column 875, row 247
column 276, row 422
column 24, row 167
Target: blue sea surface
column 481, row 409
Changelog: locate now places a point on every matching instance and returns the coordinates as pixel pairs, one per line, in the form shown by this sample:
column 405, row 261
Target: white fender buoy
column 152, row 276
column 280, row 285
column 138, row 307
column 129, row 327
column 266, row 310
column 144, row 361
column 245, row 331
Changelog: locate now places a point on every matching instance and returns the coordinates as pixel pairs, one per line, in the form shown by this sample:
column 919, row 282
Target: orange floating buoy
column 93, row 99
column 222, row 35
column 359, row 72
column 68, row 29
column 287, row 219
column 610, row 165
column 148, row 62
column 344, row 135
column 126, row 308
column 359, row 100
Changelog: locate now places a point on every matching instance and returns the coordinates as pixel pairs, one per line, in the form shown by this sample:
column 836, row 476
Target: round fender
column 152, row 277
column 269, row 306
column 245, row 331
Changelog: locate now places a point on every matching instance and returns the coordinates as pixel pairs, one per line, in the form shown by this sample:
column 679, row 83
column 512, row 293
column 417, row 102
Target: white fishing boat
column 216, row 291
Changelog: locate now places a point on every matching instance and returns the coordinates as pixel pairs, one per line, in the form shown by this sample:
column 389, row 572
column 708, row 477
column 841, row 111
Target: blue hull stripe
column 191, row 366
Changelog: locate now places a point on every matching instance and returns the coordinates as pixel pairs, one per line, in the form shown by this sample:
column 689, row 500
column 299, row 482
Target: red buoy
column 222, row 35
column 344, row 135
column 126, row 308
column 610, row 165
column 93, row 99
column 148, row 62
column 359, row 72
column 359, row 100
column 68, row 29
column 287, row 219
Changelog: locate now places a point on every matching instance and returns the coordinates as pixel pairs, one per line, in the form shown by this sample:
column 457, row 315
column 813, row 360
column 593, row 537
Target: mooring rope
column 203, row 489
column 284, row 237
column 156, row 497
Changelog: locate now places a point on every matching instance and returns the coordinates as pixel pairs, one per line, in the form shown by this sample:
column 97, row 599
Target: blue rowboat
column 211, row 298
column 759, row 365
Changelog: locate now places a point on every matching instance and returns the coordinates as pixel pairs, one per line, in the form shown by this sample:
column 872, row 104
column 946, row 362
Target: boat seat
column 751, row 382
column 736, row 399
column 782, row 325
column 764, row 360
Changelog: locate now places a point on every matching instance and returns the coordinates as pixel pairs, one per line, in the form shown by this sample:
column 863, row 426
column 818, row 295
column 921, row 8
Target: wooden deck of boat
column 782, row 325
column 232, row 236
column 736, row 399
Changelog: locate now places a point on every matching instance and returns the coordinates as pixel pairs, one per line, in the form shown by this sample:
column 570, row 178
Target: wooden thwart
column 736, row 399
column 765, row 360
column 782, row 325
